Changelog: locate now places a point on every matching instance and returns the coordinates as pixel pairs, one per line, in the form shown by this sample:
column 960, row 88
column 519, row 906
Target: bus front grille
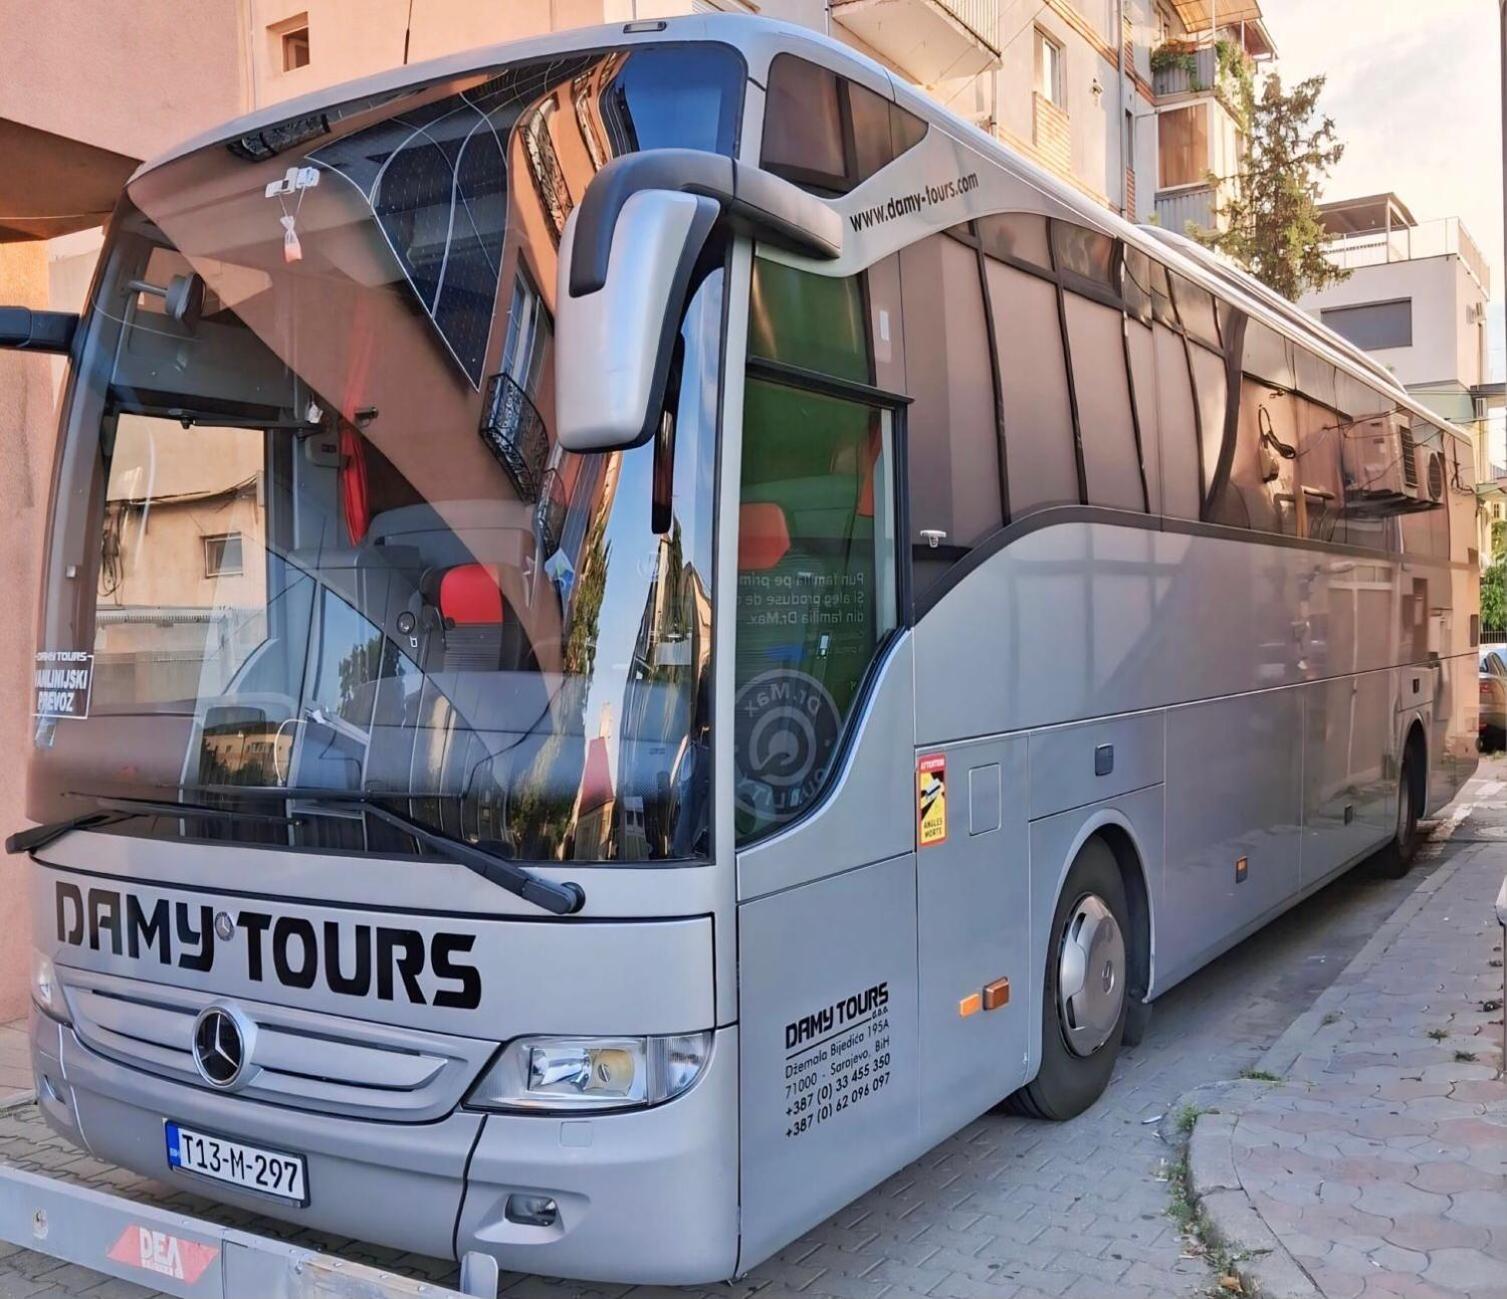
column 301, row 1059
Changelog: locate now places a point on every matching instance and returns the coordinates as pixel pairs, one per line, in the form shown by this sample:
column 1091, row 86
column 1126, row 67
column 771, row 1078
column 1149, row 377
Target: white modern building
column 1416, row 300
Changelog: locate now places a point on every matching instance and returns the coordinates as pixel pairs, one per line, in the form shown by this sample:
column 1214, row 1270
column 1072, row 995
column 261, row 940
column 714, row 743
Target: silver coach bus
column 639, row 626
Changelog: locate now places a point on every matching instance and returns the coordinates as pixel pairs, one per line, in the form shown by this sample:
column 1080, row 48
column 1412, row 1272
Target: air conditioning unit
column 1393, row 474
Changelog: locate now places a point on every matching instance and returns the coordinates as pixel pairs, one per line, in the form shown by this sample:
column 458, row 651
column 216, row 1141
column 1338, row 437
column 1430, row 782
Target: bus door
column 823, row 736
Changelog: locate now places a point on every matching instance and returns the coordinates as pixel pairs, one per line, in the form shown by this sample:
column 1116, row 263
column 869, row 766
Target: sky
column 1415, row 93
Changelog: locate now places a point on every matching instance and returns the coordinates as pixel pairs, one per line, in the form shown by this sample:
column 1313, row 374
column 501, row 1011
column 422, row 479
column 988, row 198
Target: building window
column 1373, row 325
column 290, row 41
column 1183, row 145
column 1049, row 69
column 222, row 555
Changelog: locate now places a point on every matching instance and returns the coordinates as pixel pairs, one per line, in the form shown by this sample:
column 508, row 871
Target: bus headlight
column 592, row 1073
column 44, row 987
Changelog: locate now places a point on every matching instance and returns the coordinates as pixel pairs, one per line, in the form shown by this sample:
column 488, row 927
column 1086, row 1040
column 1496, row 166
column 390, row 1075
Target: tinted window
column 1083, row 252
column 1110, row 461
column 1016, row 236
column 826, row 132
column 1195, row 308
column 1177, row 425
column 815, row 322
column 952, row 429
column 1038, row 414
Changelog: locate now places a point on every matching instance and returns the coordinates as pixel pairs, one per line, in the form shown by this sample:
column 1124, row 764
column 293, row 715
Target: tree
column 1272, row 220
column 1494, row 597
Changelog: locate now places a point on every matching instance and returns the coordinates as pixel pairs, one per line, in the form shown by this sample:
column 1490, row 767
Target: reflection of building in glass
column 175, row 616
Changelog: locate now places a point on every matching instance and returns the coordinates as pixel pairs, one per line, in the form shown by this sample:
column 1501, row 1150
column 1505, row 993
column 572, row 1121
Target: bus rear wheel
column 1084, row 994
column 1396, row 859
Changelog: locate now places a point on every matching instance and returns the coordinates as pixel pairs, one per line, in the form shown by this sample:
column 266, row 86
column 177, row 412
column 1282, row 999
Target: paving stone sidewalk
column 1378, row 1165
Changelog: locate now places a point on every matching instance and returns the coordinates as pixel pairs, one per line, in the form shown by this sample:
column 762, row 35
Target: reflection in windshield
column 326, row 538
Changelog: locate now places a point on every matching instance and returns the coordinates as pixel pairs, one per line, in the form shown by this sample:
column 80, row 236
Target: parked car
column 1493, row 696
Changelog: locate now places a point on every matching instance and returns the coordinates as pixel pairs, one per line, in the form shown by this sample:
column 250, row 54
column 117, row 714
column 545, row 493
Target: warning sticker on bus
column 931, row 800
column 63, row 681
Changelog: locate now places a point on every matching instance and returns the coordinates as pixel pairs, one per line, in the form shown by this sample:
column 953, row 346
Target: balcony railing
column 1196, row 203
column 514, row 432
column 1441, row 238
column 931, row 40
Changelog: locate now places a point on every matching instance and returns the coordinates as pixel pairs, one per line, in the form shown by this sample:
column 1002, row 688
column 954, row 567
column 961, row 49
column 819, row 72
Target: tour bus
column 639, row 626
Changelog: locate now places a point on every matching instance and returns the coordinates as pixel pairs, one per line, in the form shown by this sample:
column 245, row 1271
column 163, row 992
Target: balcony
column 1196, row 203
column 1446, row 237
column 931, row 40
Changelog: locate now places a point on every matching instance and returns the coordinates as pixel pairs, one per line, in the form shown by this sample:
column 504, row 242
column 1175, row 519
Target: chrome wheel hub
column 1090, row 975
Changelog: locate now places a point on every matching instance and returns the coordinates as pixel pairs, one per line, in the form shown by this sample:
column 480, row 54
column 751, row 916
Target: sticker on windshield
column 62, row 683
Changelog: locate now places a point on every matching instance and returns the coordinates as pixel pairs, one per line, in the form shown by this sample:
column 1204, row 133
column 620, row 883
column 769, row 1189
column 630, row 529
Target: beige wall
column 26, row 421
column 132, row 76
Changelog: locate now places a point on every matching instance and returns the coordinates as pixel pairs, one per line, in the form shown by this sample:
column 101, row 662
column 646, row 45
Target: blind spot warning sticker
column 931, row 800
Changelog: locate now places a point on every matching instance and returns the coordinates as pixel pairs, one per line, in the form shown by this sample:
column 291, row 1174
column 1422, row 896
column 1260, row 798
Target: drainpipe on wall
column 1127, row 141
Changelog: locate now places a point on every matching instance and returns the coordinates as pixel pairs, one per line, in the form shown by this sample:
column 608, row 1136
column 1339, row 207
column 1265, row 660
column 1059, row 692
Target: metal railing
column 1198, row 204
column 514, row 430
column 1441, row 238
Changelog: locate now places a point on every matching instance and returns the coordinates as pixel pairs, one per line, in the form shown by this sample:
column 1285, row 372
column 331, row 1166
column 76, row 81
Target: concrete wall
column 26, row 422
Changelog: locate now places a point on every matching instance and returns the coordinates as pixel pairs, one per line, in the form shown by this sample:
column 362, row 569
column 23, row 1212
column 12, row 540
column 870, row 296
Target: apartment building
column 1416, row 300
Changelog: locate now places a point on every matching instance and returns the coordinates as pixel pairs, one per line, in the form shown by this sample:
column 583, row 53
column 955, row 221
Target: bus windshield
column 311, row 527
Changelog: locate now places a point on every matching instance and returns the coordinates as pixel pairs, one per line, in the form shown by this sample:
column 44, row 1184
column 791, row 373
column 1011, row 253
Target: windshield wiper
column 562, row 899
column 111, row 810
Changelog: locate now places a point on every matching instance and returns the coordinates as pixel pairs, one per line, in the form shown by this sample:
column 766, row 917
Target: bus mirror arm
column 628, row 254
column 754, row 202
column 25, row 330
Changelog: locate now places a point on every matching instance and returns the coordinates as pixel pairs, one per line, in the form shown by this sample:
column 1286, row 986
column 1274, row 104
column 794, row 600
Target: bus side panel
column 829, row 1062
column 1234, row 816
column 1349, row 771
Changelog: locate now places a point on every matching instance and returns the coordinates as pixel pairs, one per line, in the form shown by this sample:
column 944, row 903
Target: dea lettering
column 787, row 727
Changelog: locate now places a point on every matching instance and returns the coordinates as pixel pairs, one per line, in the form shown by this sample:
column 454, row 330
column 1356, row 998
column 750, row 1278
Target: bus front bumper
column 645, row 1196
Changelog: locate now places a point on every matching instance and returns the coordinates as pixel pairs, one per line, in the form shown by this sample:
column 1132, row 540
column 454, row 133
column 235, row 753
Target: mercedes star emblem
column 224, row 926
column 222, row 1046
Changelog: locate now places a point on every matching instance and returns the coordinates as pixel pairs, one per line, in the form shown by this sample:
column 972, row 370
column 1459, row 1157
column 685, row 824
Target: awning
column 51, row 185
column 1200, row 15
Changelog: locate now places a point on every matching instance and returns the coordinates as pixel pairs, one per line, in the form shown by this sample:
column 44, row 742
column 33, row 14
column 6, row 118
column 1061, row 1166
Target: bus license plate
column 269, row 1171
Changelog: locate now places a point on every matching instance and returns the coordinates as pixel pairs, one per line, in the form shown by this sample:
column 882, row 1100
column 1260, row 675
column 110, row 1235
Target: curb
column 1266, row 1268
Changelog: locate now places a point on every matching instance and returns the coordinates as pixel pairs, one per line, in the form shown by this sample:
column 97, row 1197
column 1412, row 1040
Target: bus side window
column 1037, row 410
column 1088, row 264
column 1321, row 492
column 1368, row 461
column 827, row 133
column 818, row 568
column 1260, row 489
column 1140, row 346
column 952, row 432
column 1177, row 420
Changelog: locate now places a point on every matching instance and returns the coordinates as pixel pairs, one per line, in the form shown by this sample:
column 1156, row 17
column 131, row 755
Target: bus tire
column 1396, row 859
column 1081, row 1032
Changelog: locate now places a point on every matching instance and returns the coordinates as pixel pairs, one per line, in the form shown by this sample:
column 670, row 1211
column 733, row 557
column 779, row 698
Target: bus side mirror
column 613, row 346
column 36, row 331
column 626, row 259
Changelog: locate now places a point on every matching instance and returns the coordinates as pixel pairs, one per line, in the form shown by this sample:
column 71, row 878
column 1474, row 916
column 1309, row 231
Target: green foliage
column 1234, row 80
column 1498, row 538
column 1174, row 54
column 1494, row 596
column 1272, row 220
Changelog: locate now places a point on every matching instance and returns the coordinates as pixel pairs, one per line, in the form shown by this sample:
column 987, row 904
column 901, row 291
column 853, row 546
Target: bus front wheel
column 1084, row 994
